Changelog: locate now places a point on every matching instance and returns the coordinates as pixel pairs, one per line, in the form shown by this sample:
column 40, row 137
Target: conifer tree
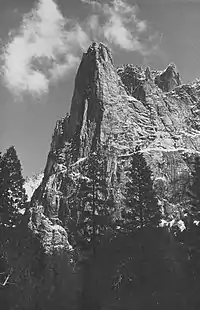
column 194, row 191
column 141, row 203
column 12, row 193
column 92, row 199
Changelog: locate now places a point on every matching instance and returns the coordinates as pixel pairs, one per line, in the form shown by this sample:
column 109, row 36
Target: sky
column 41, row 45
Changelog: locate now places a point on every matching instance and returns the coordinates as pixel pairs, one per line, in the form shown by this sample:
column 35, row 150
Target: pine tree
column 194, row 192
column 141, row 203
column 12, row 193
column 92, row 200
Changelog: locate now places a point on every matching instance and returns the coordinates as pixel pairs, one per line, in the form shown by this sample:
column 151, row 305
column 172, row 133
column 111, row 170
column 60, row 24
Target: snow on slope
column 32, row 183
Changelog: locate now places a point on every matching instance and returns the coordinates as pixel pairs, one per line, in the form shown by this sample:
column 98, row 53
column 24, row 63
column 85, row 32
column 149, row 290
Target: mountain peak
column 169, row 78
column 100, row 51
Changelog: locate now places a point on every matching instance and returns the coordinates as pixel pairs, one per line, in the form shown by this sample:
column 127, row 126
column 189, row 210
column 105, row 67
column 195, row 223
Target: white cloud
column 93, row 24
column 43, row 49
column 121, row 26
column 77, row 36
column 116, row 32
column 60, row 70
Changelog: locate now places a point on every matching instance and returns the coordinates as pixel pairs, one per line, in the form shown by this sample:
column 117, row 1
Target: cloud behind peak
column 121, row 26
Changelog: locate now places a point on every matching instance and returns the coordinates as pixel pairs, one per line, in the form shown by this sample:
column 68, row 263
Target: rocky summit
column 124, row 107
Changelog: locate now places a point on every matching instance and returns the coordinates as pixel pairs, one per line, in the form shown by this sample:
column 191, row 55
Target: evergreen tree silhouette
column 92, row 199
column 12, row 193
column 141, row 203
column 194, row 191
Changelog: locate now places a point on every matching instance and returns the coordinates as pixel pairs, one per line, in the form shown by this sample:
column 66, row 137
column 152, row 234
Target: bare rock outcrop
column 169, row 79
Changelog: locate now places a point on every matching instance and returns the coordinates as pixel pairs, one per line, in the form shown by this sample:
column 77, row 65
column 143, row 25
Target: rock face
column 168, row 79
column 125, row 107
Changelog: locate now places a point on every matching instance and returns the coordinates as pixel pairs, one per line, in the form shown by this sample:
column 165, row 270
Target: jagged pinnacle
column 100, row 51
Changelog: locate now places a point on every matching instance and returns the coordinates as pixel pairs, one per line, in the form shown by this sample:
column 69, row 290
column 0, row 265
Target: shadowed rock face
column 128, row 106
column 135, row 80
column 169, row 79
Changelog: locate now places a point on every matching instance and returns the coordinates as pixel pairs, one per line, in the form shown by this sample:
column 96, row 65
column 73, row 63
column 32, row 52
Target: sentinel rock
column 123, row 107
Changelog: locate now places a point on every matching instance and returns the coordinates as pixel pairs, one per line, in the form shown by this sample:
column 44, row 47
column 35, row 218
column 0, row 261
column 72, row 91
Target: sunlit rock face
column 123, row 107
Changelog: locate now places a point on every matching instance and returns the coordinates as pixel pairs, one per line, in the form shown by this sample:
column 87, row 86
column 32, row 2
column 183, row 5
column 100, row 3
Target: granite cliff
column 123, row 107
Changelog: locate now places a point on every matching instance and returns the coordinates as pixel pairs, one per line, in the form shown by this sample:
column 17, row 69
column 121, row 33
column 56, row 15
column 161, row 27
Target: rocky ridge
column 123, row 107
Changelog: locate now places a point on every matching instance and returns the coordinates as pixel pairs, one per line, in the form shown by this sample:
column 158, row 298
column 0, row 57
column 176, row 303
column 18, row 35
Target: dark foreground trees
column 142, row 208
column 141, row 268
column 194, row 192
column 32, row 276
column 190, row 237
column 90, row 204
column 144, row 268
column 12, row 193
column 12, row 201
